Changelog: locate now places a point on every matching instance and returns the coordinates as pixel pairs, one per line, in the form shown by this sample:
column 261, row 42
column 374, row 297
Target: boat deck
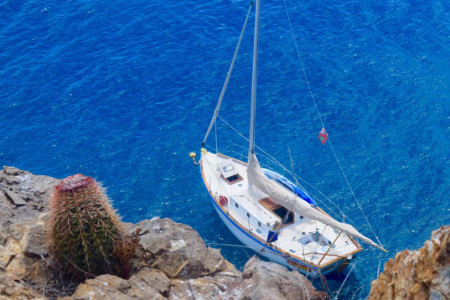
column 258, row 215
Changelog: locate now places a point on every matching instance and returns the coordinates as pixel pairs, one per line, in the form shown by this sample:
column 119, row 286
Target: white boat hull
column 248, row 238
column 259, row 248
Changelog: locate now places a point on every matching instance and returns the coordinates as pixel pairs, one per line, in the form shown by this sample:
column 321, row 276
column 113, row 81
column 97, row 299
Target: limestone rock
column 12, row 287
column 151, row 279
column 23, row 198
column 34, row 245
column 146, row 284
column 422, row 274
column 103, row 287
column 14, row 198
column 177, row 250
column 206, row 287
column 268, row 280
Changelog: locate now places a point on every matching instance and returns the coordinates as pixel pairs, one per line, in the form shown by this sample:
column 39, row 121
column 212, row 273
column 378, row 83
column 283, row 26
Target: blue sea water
column 124, row 90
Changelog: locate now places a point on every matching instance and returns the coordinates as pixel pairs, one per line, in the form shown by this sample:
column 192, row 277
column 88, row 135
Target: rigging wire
column 225, row 85
column 274, row 160
column 242, row 157
column 354, row 196
column 346, row 277
column 357, row 290
column 215, row 133
column 323, row 126
column 378, row 271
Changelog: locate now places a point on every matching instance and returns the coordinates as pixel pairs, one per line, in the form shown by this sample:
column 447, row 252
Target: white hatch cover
column 227, row 168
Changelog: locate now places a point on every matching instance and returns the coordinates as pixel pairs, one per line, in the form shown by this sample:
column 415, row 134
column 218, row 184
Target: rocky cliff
column 171, row 261
column 422, row 274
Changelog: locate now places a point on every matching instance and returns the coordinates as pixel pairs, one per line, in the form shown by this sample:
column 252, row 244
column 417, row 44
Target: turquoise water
column 123, row 91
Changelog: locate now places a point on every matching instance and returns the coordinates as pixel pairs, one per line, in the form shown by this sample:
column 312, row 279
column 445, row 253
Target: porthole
column 259, row 224
column 235, row 204
column 248, row 215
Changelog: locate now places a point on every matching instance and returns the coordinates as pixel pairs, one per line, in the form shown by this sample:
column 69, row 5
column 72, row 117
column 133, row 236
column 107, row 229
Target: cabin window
column 248, row 215
column 228, row 168
column 259, row 224
column 235, row 204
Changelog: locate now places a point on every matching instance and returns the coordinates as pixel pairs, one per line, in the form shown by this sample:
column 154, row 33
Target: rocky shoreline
column 173, row 262
column 421, row 274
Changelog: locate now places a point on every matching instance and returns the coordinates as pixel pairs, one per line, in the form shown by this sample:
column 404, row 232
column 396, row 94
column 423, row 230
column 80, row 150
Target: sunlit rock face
column 421, row 274
column 23, row 213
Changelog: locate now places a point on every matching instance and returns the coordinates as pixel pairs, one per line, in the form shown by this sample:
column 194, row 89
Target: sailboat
column 269, row 213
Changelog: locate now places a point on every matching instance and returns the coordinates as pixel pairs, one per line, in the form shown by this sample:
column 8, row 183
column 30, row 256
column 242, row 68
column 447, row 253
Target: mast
column 251, row 146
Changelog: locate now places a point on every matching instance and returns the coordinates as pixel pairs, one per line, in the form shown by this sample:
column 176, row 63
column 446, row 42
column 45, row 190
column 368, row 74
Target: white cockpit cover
column 292, row 202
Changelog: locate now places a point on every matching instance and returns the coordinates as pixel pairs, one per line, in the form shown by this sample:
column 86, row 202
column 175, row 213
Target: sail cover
column 292, row 202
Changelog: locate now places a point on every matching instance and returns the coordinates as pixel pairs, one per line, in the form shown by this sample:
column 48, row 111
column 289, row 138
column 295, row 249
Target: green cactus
column 85, row 233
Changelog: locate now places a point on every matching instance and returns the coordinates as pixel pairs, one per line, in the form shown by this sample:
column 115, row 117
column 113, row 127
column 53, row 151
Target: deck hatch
column 229, row 172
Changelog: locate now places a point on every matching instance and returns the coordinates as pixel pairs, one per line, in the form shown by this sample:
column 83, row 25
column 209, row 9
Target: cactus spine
column 85, row 233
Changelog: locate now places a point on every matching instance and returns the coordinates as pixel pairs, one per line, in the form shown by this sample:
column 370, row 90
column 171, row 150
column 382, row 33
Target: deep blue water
column 124, row 90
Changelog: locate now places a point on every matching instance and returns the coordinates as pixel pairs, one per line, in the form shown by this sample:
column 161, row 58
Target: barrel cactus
column 85, row 233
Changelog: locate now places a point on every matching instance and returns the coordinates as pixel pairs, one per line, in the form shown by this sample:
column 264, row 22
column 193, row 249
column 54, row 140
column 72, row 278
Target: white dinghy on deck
column 271, row 217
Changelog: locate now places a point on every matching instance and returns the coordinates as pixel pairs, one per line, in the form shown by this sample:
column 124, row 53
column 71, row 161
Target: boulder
column 177, row 250
column 102, row 287
column 422, row 274
column 268, row 280
column 12, row 287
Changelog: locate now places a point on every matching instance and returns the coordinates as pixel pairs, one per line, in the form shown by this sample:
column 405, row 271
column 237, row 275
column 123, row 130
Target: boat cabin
column 286, row 216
